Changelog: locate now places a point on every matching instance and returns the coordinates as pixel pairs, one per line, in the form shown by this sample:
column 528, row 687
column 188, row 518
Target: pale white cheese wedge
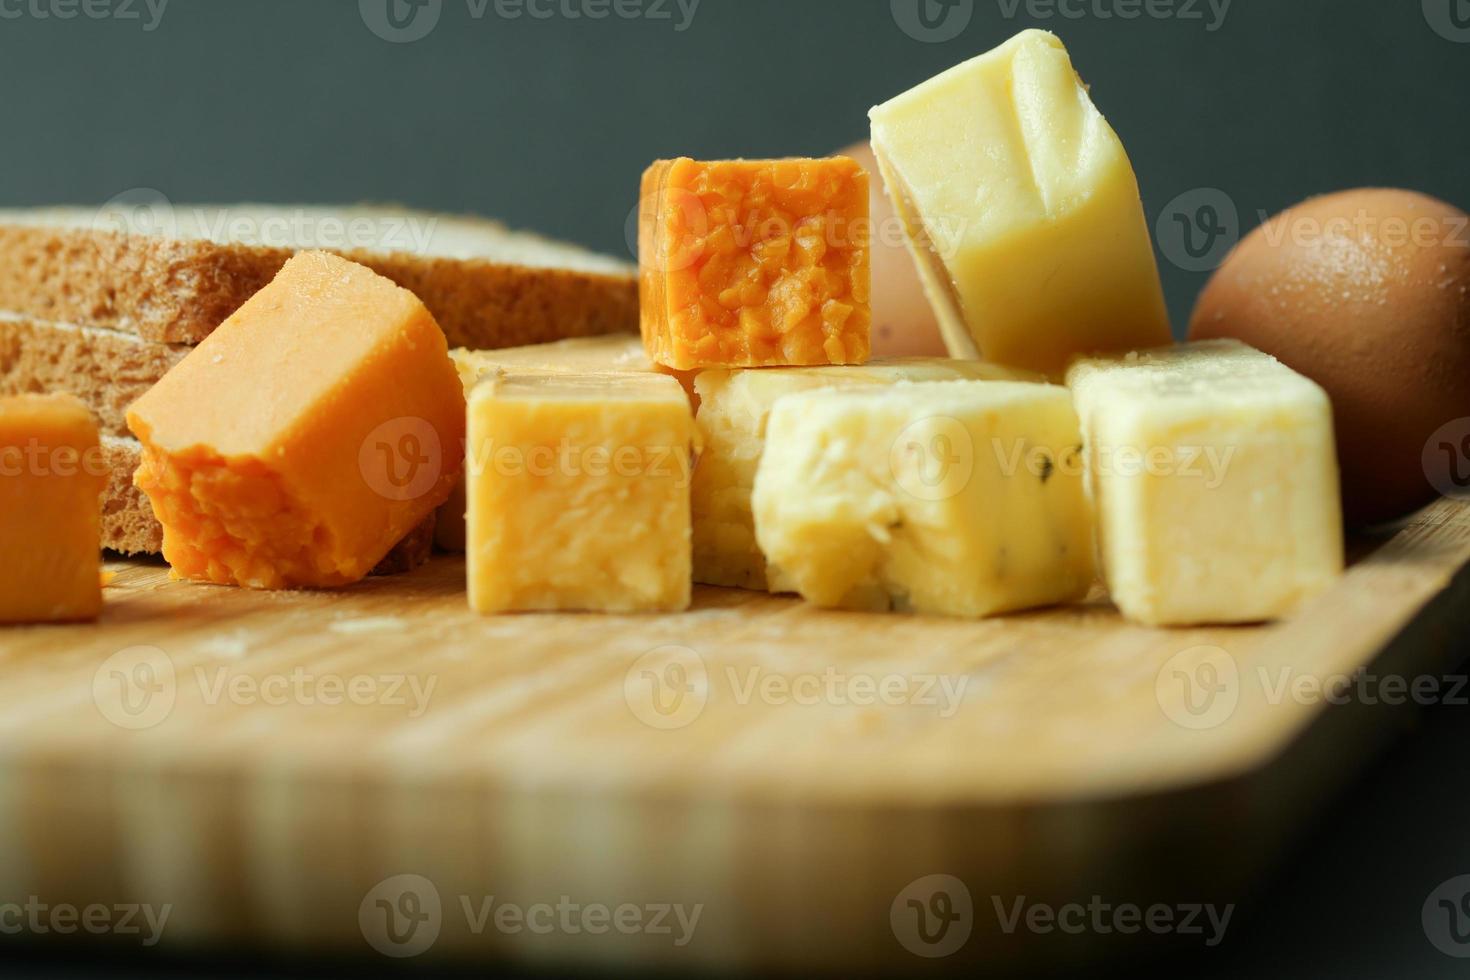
column 1216, row 483
column 733, row 408
column 959, row 498
column 1022, row 210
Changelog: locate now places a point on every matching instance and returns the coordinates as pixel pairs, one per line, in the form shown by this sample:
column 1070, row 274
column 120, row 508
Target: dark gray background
column 548, row 122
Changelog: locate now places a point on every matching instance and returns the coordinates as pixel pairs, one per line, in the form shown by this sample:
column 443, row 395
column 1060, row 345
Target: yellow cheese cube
column 52, row 474
column 613, row 353
column 1216, row 483
column 578, row 490
column 959, row 498
column 733, row 408
column 1021, row 209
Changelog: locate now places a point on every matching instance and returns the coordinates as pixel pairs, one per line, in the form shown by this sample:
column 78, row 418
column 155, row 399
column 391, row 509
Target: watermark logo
column 147, row 13
column 138, row 211
column 401, row 916
column 1446, row 459
column 1197, row 230
column 933, row 458
column 1450, row 19
column 1210, row 13
column 1104, row 918
column 135, row 688
column 1446, row 917
column 407, row 21
column 933, row 916
column 1199, row 688
column 401, row 21
column 402, row 459
column 932, row 21
column 39, row 459
column 566, row 458
column 667, row 688
column 37, row 918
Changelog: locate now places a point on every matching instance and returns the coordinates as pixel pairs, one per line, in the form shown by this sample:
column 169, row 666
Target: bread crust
column 177, row 290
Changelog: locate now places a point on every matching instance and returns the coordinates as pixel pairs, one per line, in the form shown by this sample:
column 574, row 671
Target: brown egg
column 903, row 322
column 1366, row 292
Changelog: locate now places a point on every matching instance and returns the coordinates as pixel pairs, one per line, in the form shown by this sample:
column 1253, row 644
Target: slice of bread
column 189, row 268
column 106, row 369
column 129, row 527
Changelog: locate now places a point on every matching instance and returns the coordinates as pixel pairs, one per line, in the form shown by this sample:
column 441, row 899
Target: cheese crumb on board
column 51, row 475
column 755, row 263
column 733, row 409
column 1021, row 210
column 300, row 441
column 1216, row 483
column 578, row 490
column 960, row 498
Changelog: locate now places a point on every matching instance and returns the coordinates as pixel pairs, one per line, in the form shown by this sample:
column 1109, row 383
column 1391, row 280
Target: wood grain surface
column 262, row 761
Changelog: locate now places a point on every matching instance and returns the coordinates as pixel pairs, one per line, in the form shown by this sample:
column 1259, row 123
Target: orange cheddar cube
column 306, row 436
column 754, row 263
column 52, row 474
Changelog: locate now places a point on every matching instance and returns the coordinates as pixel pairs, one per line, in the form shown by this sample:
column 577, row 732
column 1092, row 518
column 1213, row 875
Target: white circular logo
column 1446, row 917
column 401, row 916
column 933, row 458
column 1199, row 688
column 1450, row 19
column 142, row 211
column 401, row 21
column 1446, row 459
column 667, row 687
column 1197, row 230
column 932, row 21
column 135, row 688
column 401, row 459
column 667, row 232
column 933, row 916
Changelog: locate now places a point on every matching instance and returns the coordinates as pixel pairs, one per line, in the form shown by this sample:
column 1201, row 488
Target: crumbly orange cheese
column 306, row 436
column 51, row 476
column 754, row 263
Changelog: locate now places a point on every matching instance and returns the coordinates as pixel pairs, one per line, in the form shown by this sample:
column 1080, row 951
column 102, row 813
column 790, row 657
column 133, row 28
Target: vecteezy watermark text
column 37, row 918
column 402, row 916
column 1210, row 13
column 670, row 686
column 137, row 688
column 147, row 13
column 406, row 21
column 934, row 917
column 1103, row 918
column 39, row 460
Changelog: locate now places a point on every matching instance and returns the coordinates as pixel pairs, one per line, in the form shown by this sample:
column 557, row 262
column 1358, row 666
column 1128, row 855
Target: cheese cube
column 614, row 353
column 754, row 263
column 1021, row 210
column 960, row 498
column 578, row 491
column 1216, row 483
column 306, row 436
column 733, row 409
column 52, row 474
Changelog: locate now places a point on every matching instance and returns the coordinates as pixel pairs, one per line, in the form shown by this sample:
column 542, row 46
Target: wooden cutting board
column 263, row 762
